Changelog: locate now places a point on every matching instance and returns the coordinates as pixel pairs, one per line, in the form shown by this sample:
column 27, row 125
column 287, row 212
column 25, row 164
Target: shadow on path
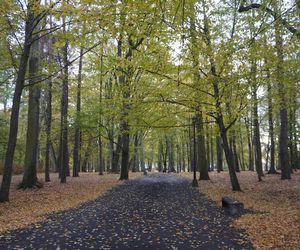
column 154, row 212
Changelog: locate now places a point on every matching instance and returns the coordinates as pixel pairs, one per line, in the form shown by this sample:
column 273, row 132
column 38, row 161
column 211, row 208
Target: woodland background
column 113, row 86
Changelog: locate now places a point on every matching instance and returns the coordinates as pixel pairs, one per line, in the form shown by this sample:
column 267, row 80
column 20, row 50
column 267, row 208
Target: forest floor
column 32, row 205
column 275, row 221
column 159, row 211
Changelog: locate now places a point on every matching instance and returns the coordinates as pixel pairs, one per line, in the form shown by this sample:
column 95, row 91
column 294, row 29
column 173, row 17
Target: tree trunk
column 272, row 169
column 124, row 128
column 250, row 151
column 48, row 130
column 242, row 149
column 170, row 153
column 229, row 158
column 190, row 150
column 13, row 126
column 84, row 166
column 100, row 147
column 234, row 150
column 135, row 164
column 160, row 161
column 212, row 168
column 125, row 151
column 116, row 156
column 256, row 131
column 76, row 152
column 219, row 150
column 150, row 162
column 283, row 136
column 32, row 138
column 201, row 156
column 207, row 149
column 64, row 151
column 293, row 131
column 178, row 159
column 183, row 154
column 48, row 115
column 142, row 157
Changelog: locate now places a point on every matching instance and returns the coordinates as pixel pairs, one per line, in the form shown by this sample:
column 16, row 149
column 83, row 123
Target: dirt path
column 154, row 212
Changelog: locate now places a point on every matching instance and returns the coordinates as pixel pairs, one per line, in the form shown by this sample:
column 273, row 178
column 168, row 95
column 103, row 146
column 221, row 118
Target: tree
column 76, row 154
column 218, row 105
column 30, row 22
column 283, row 137
column 64, row 151
column 32, row 138
column 275, row 13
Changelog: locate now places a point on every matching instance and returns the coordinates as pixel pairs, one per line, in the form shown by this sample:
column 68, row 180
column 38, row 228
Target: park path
column 153, row 212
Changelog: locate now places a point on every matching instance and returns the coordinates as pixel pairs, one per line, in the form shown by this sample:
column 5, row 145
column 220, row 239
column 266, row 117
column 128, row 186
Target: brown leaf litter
column 275, row 223
column 30, row 206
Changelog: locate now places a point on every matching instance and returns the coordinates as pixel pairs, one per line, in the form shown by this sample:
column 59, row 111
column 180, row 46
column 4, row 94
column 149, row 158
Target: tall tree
column 76, row 150
column 64, row 151
column 33, row 120
column 201, row 156
column 201, row 160
column 283, row 136
column 272, row 169
column 219, row 116
column 31, row 21
column 257, row 144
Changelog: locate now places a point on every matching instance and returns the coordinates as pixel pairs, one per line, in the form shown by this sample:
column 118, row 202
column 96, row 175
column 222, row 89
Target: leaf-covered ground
column 31, row 205
column 275, row 223
column 154, row 212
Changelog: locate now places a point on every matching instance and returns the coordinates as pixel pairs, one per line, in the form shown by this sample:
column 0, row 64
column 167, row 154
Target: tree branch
column 276, row 16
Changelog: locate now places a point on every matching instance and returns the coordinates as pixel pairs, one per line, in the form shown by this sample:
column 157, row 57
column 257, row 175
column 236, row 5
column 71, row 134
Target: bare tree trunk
column 64, row 151
column 48, row 115
column 234, row 150
column 100, row 146
column 135, row 166
column 283, row 136
column 201, row 156
column 32, row 138
column 207, row 149
column 256, row 130
column 212, row 168
column 219, row 149
column 229, row 158
column 190, row 150
column 84, row 166
column 293, row 130
column 142, row 157
column 76, row 152
column 150, row 162
column 160, row 152
column 178, row 159
column 242, row 149
column 116, row 155
column 124, row 128
column 250, row 151
column 183, row 150
column 272, row 169
column 48, row 130
column 13, row 127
